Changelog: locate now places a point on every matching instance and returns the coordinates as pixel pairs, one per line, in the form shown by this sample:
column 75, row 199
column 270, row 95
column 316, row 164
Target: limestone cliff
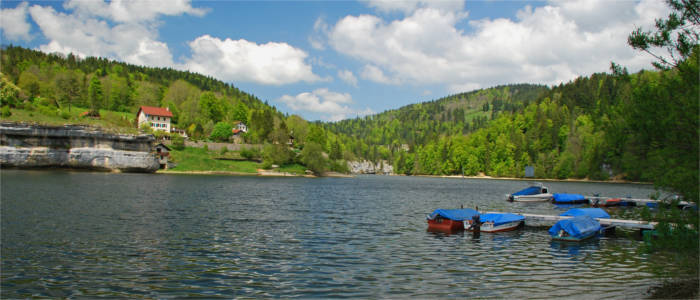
column 367, row 167
column 74, row 146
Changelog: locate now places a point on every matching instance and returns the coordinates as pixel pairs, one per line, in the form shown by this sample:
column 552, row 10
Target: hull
column 489, row 227
column 445, row 225
column 533, row 198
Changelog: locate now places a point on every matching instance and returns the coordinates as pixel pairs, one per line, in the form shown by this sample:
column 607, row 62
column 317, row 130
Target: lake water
column 81, row 234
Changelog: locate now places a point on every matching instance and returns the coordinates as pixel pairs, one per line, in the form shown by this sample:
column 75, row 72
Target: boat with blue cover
column 576, row 229
column 450, row 220
column 569, row 199
column 497, row 222
column 535, row 193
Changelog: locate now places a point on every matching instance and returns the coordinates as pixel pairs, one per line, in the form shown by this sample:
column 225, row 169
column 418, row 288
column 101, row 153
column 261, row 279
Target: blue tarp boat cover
column 500, row 219
column 533, row 190
column 578, row 227
column 454, row 214
column 568, row 198
column 592, row 212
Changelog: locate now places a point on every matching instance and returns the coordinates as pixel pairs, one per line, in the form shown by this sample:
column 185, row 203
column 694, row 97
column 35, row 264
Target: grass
column 293, row 168
column 198, row 159
column 111, row 121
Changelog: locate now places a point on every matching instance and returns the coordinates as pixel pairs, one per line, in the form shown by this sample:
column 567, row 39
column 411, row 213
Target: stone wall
column 74, row 146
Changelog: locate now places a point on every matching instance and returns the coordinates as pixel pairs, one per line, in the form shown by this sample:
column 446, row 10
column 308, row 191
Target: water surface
column 78, row 234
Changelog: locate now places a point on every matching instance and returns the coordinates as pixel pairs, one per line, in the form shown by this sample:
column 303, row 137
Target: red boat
column 449, row 220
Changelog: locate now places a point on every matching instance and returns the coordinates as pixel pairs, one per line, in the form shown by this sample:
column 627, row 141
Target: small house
column 163, row 153
column 157, row 117
column 240, row 126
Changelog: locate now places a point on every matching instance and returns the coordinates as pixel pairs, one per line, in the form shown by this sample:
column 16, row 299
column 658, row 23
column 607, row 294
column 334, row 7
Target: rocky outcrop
column 74, row 146
column 367, row 167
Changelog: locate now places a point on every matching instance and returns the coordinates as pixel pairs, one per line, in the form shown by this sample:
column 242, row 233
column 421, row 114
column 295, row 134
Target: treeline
column 385, row 135
column 641, row 127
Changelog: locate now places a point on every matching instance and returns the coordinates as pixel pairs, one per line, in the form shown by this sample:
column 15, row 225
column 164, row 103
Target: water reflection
column 163, row 236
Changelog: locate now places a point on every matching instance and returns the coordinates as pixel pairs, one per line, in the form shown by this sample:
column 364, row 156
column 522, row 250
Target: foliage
column 251, row 153
column 222, row 131
column 676, row 34
column 278, row 154
column 178, row 142
column 6, row 113
column 312, row 157
column 95, row 94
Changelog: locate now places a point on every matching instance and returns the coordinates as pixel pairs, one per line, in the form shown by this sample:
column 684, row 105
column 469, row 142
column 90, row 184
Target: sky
column 332, row 60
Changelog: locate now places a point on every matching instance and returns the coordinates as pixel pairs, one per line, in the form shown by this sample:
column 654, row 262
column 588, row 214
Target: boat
column 568, row 199
column 610, row 202
column 496, row 222
column 596, row 213
column 576, row 229
column 534, row 193
column 449, row 220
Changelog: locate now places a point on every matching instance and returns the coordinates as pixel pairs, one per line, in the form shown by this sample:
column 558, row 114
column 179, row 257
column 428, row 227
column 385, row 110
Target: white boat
column 534, row 193
column 496, row 222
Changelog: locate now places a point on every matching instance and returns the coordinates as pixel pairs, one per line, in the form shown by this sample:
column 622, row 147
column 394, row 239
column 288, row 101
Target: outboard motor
column 476, row 226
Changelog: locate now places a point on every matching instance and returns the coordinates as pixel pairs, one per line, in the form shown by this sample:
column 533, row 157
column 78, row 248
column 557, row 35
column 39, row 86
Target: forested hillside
column 37, row 85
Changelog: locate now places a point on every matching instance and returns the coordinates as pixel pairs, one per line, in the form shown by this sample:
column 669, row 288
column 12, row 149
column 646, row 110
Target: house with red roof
column 157, row 117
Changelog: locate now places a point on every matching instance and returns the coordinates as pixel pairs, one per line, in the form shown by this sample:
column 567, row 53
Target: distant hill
column 417, row 124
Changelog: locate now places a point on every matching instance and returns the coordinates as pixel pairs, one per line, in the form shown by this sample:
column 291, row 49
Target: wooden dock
column 632, row 224
column 592, row 199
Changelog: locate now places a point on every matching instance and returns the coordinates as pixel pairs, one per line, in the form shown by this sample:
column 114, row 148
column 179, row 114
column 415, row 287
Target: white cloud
column 13, row 22
column 270, row 63
column 408, row 6
column 131, row 11
column 331, row 105
column 86, row 36
column 316, row 39
column 549, row 44
column 348, row 77
column 127, row 30
column 373, row 73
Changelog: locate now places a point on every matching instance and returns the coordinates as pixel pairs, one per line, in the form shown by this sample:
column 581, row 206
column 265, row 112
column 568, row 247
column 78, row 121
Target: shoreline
column 260, row 173
column 532, row 179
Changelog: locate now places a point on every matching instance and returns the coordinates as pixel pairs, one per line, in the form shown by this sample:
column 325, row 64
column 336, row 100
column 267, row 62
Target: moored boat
column 497, row 222
column 534, row 193
column 568, row 199
column 576, row 229
column 449, row 220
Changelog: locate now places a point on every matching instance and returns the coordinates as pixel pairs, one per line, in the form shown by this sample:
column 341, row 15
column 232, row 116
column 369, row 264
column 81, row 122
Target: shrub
column 221, row 132
column 6, row 111
column 65, row 115
column 178, row 142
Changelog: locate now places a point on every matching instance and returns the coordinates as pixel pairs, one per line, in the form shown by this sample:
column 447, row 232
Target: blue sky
column 329, row 60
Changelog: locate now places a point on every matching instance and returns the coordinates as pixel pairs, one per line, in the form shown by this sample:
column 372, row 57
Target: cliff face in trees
column 33, row 146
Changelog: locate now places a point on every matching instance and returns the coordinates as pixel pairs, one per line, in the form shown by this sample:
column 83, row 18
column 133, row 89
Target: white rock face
column 367, row 167
column 32, row 146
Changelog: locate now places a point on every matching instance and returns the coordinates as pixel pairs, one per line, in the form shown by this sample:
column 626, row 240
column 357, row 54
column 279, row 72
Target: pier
column 592, row 199
column 631, row 224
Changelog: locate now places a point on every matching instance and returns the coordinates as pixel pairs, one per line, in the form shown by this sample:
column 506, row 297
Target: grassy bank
column 111, row 121
column 202, row 160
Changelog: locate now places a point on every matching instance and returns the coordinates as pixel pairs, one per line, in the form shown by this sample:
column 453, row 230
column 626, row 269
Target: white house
column 240, row 126
column 158, row 117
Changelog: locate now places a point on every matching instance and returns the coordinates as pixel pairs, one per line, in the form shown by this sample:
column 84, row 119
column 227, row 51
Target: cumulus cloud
column 549, row 44
column 122, row 30
column 408, row 6
column 331, row 105
column 270, row 63
column 348, row 77
column 127, row 30
column 13, row 22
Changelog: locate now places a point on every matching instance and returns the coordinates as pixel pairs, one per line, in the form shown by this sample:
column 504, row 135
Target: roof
column 155, row 111
column 235, row 131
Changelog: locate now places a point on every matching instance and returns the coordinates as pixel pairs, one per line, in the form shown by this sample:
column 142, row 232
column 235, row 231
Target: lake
column 83, row 234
